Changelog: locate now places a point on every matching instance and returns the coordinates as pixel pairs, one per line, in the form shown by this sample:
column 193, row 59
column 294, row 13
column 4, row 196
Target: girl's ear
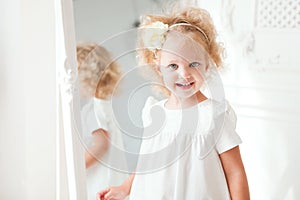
column 157, row 66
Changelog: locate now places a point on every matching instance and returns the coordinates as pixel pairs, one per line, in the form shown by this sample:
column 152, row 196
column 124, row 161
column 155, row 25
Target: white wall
column 12, row 137
column 28, row 96
column 262, row 82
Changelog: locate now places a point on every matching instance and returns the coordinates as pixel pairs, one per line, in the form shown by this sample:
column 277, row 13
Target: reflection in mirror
column 98, row 78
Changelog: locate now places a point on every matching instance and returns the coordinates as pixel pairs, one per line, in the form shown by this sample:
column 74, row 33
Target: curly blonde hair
column 98, row 74
column 197, row 18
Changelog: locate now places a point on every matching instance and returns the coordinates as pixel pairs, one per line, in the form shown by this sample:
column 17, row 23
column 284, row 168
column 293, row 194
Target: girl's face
column 182, row 66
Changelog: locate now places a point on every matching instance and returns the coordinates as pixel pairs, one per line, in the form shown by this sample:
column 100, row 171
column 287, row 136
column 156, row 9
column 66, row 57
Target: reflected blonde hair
column 98, row 73
column 197, row 18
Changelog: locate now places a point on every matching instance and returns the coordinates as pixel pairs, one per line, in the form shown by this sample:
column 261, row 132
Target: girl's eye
column 194, row 64
column 173, row 66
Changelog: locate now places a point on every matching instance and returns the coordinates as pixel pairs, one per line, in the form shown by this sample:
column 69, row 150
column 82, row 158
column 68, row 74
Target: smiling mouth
column 185, row 85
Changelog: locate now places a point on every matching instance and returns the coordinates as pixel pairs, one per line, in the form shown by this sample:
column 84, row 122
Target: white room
column 42, row 145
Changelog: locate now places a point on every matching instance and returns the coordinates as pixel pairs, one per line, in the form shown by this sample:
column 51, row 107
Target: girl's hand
column 118, row 192
column 112, row 193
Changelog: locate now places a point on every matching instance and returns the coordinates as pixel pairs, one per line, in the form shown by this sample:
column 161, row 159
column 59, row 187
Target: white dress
column 179, row 156
column 112, row 168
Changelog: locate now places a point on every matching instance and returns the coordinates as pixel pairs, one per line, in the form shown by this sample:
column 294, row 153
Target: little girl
column 190, row 146
column 98, row 77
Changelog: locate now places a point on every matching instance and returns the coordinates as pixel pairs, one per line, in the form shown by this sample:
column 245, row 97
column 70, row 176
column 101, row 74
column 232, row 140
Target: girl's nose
column 185, row 72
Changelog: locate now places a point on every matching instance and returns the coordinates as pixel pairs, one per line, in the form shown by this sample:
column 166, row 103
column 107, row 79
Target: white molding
column 70, row 169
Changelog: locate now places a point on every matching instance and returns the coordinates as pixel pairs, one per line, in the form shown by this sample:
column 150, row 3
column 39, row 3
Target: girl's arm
column 118, row 192
column 101, row 145
column 235, row 174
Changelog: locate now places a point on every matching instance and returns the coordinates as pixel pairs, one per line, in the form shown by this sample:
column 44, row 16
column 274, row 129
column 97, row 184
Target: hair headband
column 184, row 23
column 155, row 34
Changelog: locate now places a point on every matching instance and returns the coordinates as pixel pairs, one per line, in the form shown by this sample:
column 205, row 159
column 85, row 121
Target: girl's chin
column 186, row 94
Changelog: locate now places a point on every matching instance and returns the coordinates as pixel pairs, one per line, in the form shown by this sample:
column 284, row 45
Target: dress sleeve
column 229, row 137
column 101, row 119
column 89, row 124
column 103, row 114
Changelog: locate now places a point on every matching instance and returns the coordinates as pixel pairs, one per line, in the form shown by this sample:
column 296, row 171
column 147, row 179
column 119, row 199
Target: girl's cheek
column 201, row 72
